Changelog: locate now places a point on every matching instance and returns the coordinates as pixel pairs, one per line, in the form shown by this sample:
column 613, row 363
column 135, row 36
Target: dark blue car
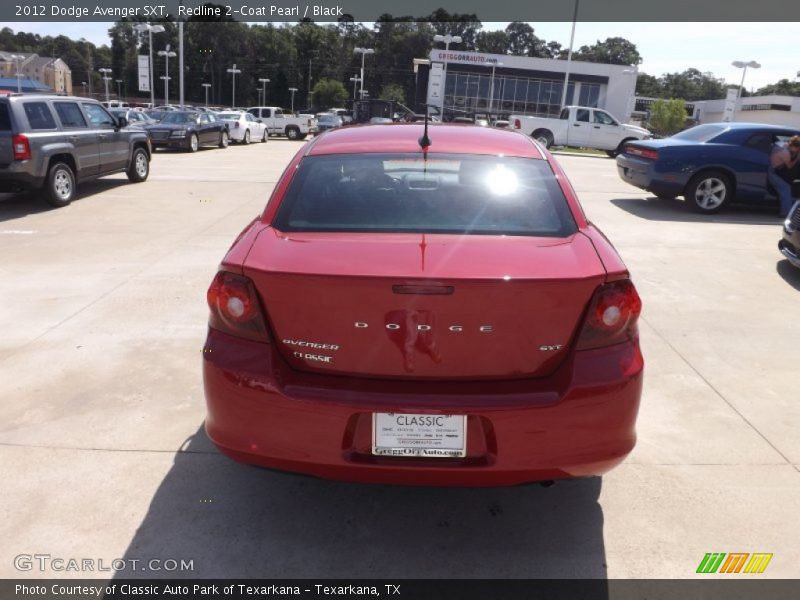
column 709, row 165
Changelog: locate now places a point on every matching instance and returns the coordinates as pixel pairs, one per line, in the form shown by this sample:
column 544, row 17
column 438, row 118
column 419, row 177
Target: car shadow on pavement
column 236, row 521
column 657, row 209
column 789, row 273
column 15, row 206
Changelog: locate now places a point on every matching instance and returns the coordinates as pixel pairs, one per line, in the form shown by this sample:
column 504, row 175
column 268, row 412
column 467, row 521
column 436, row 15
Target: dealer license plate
column 436, row 436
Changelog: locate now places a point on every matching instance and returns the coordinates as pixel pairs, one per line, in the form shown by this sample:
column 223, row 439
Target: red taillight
column 517, row 124
column 235, row 308
column 612, row 316
column 22, row 148
column 648, row 153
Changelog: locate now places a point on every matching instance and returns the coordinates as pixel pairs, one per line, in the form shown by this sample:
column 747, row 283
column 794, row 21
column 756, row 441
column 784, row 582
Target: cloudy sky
column 665, row 47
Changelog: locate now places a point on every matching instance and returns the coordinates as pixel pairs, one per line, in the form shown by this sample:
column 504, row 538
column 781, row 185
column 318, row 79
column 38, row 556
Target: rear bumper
column 642, row 174
column 15, row 178
column 578, row 422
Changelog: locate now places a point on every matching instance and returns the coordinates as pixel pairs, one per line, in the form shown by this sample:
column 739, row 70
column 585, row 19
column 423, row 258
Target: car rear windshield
column 179, row 118
column 445, row 193
column 700, row 133
column 230, row 115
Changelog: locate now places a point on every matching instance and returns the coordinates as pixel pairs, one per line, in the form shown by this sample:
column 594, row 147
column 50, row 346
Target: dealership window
column 589, row 95
column 470, row 92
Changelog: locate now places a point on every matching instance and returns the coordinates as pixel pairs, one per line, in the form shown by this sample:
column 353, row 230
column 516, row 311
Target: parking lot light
column 233, row 71
column 106, row 72
column 167, row 54
column 264, row 81
column 355, row 81
column 743, row 65
column 363, row 52
column 206, row 86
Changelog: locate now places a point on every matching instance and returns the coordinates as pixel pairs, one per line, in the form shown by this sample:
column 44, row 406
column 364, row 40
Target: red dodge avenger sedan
column 424, row 308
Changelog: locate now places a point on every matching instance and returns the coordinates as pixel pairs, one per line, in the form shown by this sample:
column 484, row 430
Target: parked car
column 243, row 127
column 188, row 130
column 329, row 121
column 580, row 126
column 281, row 122
column 136, row 118
column 345, row 114
column 447, row 317
column 50, row 144
column 709, row 165
column 155, row 114
column 789, row 245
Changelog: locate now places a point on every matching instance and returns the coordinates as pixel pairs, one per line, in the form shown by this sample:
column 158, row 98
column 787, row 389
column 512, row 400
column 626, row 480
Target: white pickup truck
column 280, row 122
column 582, row 127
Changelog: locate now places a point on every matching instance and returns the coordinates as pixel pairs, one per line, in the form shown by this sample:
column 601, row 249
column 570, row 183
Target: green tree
column 520, row 38
column 327, row 93
column 493, row 42
column 692, row 85
column 613, row 51
column 648, row 85
column 392, row 91
column 465, row 26
column 784, row 87
column 667, row 116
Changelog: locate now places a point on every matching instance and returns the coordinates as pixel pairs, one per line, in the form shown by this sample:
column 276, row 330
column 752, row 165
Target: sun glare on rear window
column 396, row 193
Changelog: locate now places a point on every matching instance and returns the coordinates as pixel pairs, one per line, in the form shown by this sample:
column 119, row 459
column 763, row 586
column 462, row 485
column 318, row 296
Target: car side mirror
column 122, row 122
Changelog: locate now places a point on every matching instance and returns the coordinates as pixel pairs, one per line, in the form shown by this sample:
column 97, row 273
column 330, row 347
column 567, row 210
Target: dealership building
column 465, row 83
column 775, row 110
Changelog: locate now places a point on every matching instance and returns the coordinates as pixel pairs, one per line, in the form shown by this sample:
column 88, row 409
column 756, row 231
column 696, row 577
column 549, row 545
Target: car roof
column 15, row 96
column 445, row 139
column 738, row 125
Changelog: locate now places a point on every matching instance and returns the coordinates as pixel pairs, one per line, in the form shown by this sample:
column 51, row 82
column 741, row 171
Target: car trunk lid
column 424, row 306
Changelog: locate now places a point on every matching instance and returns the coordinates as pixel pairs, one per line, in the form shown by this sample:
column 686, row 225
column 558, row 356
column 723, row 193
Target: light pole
column 355, row 81
column 206, row 86
column 363, row 52
column 83, row 83
column 264, row 81
column 569, row 56
column 105, row 71
column 119, row 89
column 743, row 65
column 167, row 54
column 17, row 58
column 150, row 29
column 491, row 88
column 293, row 90
column 233, row 71
column 447, row 39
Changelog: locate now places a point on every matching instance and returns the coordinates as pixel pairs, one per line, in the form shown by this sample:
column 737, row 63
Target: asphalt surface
column 103, row 455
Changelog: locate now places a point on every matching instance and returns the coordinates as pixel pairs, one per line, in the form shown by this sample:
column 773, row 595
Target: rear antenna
column 425, row 141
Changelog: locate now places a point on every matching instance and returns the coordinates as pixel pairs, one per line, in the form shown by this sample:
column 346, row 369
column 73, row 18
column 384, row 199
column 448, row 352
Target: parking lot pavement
column 104, row 456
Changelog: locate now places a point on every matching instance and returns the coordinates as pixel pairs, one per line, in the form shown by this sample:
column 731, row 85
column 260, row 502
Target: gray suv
column 51, row 143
